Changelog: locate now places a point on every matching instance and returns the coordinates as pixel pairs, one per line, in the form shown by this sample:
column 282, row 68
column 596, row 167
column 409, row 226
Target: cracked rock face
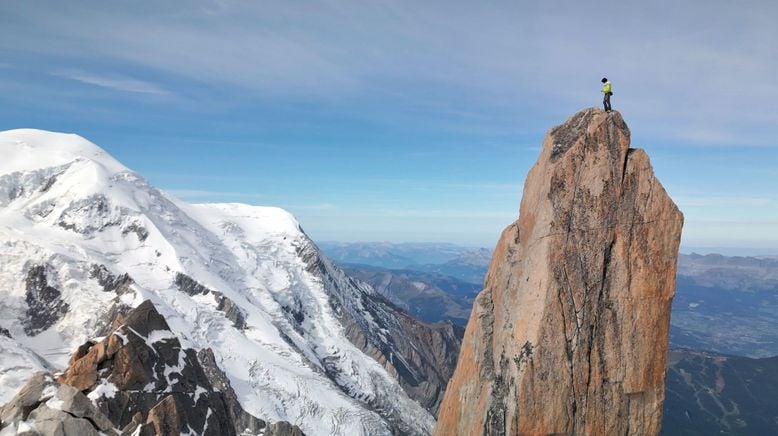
column 44, row 302
column 569, row 335
column 224, row 304
column 420, row 356
column 138, row 380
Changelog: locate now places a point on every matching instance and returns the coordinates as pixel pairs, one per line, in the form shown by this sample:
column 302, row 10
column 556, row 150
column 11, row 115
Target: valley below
column 722, row 375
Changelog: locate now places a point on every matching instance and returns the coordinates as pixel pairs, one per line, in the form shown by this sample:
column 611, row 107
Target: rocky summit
column 138, row 380
column 570, row 333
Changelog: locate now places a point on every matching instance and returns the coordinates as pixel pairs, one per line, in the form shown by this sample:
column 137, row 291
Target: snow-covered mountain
column 82, row 237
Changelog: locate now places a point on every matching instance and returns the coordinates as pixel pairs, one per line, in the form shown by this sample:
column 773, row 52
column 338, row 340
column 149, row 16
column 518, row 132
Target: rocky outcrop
column 120, row 284
column 45, row 407
column 137, row 380
column 569, row 335
column 44, row 302
column 223, row 304
column 420, row 356
column 90, row 216
column 218, row 379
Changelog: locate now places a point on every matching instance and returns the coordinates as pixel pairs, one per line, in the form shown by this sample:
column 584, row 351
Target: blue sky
column 405, row 121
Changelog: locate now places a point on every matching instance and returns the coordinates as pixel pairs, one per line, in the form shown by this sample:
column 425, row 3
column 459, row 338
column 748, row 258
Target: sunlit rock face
column 570, row 334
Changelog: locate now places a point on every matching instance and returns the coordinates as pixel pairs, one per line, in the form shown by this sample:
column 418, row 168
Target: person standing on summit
column 606, row 90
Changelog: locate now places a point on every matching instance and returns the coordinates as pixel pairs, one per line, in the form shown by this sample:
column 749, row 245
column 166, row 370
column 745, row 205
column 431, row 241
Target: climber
column 606, row 90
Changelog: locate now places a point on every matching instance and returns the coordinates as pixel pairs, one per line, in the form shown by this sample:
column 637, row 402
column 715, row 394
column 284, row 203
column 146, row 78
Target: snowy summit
column 82, row 238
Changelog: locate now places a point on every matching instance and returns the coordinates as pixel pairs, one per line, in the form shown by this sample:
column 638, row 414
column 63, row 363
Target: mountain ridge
column 95, row 238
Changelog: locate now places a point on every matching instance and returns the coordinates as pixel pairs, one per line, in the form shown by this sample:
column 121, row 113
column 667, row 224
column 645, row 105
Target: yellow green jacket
column 606, row 88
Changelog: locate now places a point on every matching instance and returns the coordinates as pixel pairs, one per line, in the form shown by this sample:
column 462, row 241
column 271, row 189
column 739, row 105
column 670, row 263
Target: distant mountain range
column 727, row 305
column 721, row 378
column 464, row 263
column 431, row 281
column 470, row 266
column 723, row 304
column 428, row 296
column 392, row 255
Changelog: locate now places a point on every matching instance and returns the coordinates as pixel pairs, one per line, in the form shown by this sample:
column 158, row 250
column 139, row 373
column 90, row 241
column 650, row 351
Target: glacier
column 83, row 237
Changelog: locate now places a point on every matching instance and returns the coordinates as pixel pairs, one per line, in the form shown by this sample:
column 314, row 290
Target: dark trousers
column 606, row 101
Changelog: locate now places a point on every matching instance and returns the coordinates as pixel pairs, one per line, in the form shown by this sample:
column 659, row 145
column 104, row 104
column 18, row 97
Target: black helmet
column 604, row 79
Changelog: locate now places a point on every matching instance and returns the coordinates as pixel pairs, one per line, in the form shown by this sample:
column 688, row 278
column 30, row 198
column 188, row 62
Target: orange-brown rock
column 140, row 380
column 569, row 335
column 82, row 368
column 165, row 418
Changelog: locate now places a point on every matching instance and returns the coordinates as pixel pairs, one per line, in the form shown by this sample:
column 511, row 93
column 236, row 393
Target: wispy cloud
column 458, row 61
column 117, row 83
column 196, row 194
